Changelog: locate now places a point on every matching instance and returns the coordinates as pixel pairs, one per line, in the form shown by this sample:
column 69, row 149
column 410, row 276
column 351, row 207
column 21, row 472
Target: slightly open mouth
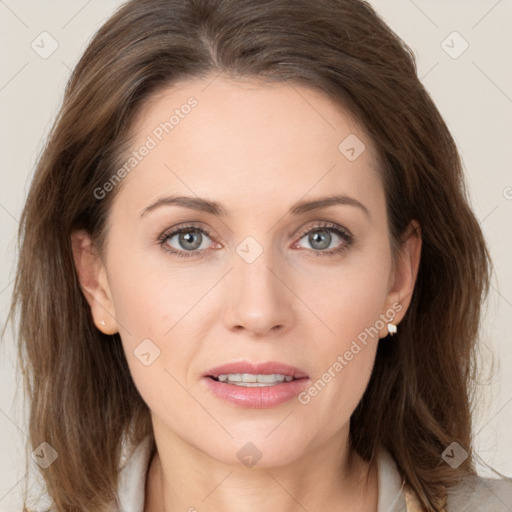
column 253, row 381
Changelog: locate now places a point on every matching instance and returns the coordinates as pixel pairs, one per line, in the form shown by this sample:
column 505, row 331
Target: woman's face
column 264, row 280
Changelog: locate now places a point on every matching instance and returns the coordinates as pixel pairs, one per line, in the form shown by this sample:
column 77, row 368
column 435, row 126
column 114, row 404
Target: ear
column 403, row 278
column 93, row 281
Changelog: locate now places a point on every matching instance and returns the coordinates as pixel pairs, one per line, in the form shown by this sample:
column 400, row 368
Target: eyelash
column 327, row 226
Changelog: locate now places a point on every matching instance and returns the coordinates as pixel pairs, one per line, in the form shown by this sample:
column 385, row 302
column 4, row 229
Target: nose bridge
column 257, row 299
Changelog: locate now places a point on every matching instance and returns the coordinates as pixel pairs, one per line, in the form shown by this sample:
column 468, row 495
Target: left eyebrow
column 215, row 208
column 324, row 202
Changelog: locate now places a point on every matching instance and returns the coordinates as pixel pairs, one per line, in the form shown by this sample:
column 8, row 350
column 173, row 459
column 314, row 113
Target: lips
column 264, row 368
column 261, row 397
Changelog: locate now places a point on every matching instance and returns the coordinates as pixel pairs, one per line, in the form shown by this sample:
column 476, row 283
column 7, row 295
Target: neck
column 317, row 481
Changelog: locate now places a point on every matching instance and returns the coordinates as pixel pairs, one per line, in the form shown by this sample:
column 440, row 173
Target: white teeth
column 251, row 380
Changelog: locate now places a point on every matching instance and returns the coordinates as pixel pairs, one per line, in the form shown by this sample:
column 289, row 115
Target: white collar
column 132, row 480
column 391, row 485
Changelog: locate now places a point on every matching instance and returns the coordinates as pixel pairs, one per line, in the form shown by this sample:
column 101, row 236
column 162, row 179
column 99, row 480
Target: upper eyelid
column 324, row 225
column 168, row 233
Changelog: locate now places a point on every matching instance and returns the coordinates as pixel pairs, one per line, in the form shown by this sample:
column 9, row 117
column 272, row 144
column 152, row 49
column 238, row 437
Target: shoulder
column 133, row 467
column 475, row 493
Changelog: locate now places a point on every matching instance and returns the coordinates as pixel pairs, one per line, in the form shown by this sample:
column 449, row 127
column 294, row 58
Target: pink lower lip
column 256, row 397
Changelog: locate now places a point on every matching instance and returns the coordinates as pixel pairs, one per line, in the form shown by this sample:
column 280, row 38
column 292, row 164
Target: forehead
column 247, row 143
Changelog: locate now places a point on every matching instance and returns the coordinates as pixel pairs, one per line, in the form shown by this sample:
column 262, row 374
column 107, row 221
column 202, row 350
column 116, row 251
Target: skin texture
column 256, row 149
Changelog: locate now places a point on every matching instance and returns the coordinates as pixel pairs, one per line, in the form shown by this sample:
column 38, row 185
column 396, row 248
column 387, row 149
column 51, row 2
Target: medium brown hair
column 82, row 397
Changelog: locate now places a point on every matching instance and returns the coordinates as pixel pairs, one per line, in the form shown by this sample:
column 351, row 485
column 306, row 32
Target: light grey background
column 473, row 92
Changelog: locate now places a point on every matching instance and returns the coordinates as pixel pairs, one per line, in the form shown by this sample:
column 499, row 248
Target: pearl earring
column 392, row 329
column 103, row 322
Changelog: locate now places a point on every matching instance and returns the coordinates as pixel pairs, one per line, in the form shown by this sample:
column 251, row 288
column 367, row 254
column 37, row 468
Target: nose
column 258, row 298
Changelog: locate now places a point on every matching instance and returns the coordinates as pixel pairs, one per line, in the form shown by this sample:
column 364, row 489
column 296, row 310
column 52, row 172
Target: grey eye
column 188, row 239
column 320, row 239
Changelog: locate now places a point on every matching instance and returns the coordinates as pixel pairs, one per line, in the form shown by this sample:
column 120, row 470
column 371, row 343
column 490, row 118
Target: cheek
column 348, row 298
column 151, row 298
column 349, row 301
column 154, row 314
column 343, row 363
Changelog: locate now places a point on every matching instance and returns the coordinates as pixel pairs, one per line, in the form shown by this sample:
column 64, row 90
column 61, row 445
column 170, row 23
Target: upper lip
column 264, row 368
